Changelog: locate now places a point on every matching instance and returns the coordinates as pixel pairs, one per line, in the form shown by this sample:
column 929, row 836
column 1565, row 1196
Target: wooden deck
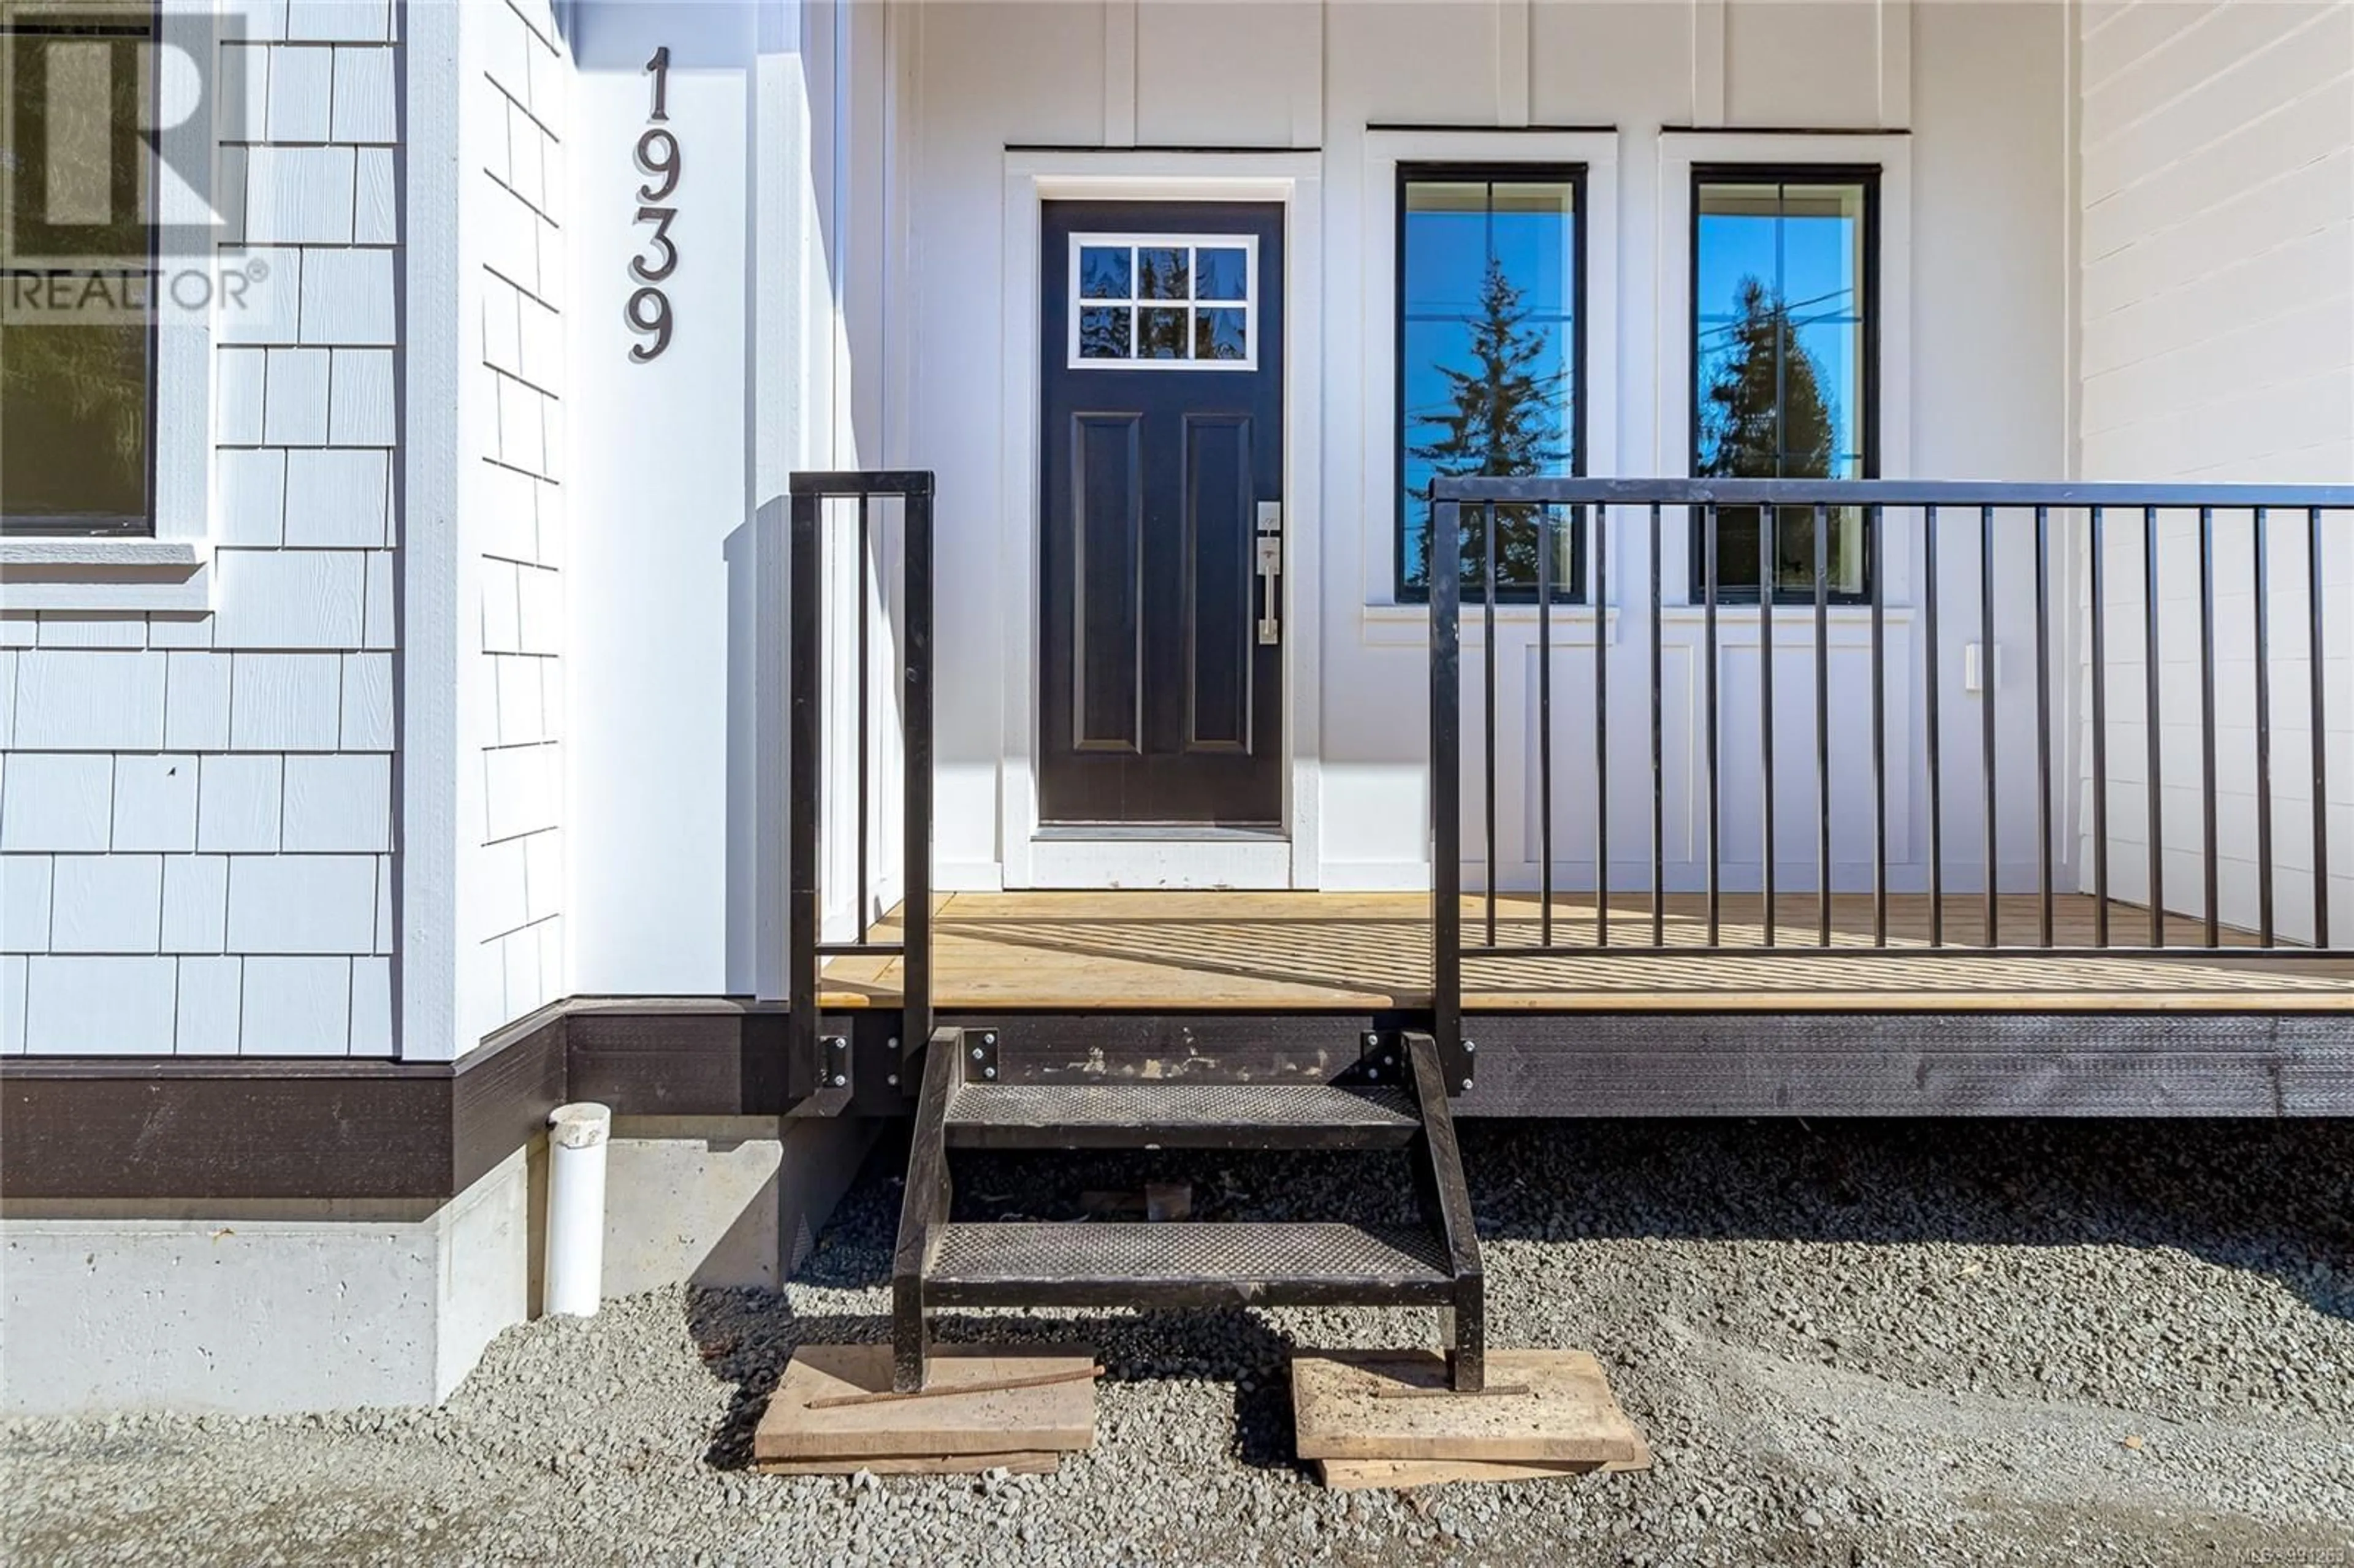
column 1232, row 951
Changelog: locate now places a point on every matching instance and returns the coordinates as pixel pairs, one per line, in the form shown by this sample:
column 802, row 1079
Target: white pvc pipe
column 577, row 1140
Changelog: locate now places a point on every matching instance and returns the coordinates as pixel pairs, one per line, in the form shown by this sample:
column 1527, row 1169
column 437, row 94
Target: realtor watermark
column 116, row 195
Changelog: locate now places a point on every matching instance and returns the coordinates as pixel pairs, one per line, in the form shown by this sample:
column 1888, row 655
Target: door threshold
column 1157, row 833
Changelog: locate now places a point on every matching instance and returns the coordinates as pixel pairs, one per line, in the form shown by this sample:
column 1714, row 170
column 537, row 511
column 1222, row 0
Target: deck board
column 1357, row 951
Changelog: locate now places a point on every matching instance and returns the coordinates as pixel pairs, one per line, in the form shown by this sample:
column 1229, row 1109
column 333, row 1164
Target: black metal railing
column 807, row 634
column 2026, row 536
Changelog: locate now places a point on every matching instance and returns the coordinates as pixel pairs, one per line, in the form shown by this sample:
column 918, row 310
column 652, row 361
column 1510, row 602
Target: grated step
column 1178, row 1116
column 1041, row 1263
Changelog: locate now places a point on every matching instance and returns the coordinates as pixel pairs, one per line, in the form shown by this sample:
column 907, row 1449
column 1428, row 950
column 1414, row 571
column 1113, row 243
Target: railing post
column 916, row 933
column 806, row 641
column 1446, row 791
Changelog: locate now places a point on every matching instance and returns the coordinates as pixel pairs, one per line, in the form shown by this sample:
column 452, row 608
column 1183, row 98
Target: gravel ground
column 1965, row 1343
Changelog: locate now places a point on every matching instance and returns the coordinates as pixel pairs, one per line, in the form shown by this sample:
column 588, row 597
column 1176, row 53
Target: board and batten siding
column 2216, row 342
column 195, row 810
column 514, row 248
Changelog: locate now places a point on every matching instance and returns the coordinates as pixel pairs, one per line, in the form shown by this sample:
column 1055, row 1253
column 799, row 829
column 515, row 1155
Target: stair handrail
column 806, row 950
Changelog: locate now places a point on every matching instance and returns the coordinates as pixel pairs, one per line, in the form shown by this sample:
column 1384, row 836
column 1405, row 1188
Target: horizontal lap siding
column 194, row 811
column 2217, row 343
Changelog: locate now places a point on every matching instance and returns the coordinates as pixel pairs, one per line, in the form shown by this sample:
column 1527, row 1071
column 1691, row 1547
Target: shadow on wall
column 1898, row 1244
column 675, row 583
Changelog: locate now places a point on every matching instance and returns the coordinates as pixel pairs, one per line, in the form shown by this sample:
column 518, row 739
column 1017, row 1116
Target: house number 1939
column 649, row 311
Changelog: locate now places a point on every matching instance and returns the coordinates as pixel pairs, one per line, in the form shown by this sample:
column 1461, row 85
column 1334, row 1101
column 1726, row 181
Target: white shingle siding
column 210, row 1002
column 195, row 903
column 196, row 808
column 25, row 882
column 57, row 801
column 12, row 1004
column 348, row 297
column 291, row 1004
column 295, row 396
column 240, row 804
column 364, row 110
column 106, row 903
column 301, row 903
column 89, row 700
column 516, row 245
column 338, row 802
column 301, row 95
column 286, row 701
column 154, row 803
column 112, row 1004
column 196, row 701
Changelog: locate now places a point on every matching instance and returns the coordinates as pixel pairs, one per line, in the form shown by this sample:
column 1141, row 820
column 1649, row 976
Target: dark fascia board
column 144, row 1129
column 135, row 1128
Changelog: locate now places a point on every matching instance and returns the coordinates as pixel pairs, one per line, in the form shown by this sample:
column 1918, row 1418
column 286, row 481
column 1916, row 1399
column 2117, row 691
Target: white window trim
column 1680, row 153
column 171, row 569
column 1074, row 302
column 1598, row 151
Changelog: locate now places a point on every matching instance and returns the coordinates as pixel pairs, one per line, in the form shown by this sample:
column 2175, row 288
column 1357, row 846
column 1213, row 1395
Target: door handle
column 1270, row 572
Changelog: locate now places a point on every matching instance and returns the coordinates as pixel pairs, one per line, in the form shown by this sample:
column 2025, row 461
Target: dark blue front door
column 1161, row 669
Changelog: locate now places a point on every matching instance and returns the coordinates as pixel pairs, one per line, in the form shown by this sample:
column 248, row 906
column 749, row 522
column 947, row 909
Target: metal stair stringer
column 964, row 1103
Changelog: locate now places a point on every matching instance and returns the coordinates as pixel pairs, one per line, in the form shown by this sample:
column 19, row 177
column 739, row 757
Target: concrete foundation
column 259, row 1307
column 721, row 1201
column 319, row 1303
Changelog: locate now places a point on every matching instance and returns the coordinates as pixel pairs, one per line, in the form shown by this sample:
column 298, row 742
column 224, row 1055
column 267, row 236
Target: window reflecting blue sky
column 1454, row 230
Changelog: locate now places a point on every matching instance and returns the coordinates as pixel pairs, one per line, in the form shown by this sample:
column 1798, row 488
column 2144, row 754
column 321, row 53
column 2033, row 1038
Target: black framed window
column 77, row 264
column 1490, row 360
column 1784, row 335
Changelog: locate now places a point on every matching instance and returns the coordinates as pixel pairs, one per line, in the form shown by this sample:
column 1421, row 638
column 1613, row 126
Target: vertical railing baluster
column 1446, row 564
column 2154, row 714
column 1875, row 566
column 2098, row 589
column 1544, row 727
column 1989, row 781
column 1601, row 726
column 2043, row 891
column 1487, row 511
column 1822, row 724
column 2265, row 932
column 2212, row 891
column 1659, row 771
column 864, row 682
column 1769, row 575
column 1935, row 760
column 1709, row 682
column 2316, row 664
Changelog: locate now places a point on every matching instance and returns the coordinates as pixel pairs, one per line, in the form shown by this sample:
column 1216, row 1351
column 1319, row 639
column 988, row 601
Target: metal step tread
column 1178, row 1113
column 1075, row 1263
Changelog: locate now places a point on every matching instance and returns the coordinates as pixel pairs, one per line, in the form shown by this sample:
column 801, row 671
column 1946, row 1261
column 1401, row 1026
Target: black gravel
column 2118, row 1343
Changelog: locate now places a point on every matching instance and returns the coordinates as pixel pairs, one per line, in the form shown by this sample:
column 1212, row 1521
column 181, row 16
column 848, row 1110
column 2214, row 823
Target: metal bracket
column 1380, row 1057
column 1457, row 1066
column 833, row 1057
column 979, row 1055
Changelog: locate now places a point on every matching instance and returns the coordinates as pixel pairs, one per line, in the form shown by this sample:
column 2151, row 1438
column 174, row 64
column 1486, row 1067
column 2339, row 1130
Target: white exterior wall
column 2216, row 308
column 516, row 260
column 1980, row 392
column 675, row 764
column 196, row 808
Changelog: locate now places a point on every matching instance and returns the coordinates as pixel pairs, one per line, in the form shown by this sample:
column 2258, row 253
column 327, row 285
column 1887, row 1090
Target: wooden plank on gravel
column 1569, row 1413
column 1055, row 1417
column 1029, row 1464
column 1403, row 1475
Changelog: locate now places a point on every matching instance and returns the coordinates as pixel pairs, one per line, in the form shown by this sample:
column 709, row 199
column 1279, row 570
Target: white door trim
column 1296, row 180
